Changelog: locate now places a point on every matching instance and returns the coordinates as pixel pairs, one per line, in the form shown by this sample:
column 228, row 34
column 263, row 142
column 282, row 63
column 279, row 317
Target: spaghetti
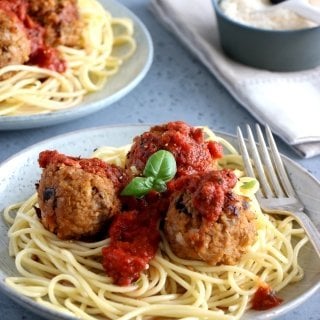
column 106, row 43
column 67, row 276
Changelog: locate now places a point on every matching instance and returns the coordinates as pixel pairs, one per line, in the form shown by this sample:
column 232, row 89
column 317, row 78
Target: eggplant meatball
column 192, row 153
column 15, row 46
column 76, row 196
column 207, row 221
column 59, row 18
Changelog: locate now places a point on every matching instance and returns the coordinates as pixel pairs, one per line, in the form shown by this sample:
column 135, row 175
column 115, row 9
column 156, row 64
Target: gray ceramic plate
column 19, row 174
column 128, row 77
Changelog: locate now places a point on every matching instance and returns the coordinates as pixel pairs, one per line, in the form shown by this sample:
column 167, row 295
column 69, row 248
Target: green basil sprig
column 160, row 168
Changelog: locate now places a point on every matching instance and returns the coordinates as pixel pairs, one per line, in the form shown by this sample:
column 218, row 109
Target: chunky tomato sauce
column 41, row 54
column 265, row 298
column 18, row 7
column 135, row 238
column 134, row 242
column 209, row 191
column 192, row 153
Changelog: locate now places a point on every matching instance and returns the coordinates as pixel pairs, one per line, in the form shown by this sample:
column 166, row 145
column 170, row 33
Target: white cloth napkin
column 288, row 102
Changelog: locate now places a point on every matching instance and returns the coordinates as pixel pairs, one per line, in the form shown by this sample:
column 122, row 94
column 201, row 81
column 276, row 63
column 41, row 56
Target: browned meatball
column 218, row 239
column 74, row 203
column 77, row 196
column 14, row 43
column 60, row 19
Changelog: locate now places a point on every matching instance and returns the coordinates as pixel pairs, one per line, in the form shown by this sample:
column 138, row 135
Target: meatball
column 76, row 197
column 192, row 153
column 15, row 46
column 60, row 19
column 217, row 238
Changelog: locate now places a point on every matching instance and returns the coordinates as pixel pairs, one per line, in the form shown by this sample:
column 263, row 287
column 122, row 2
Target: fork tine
column 245, row 155
column 279, row 164
column 268, row 164
column 246, row 158
column 264, row 184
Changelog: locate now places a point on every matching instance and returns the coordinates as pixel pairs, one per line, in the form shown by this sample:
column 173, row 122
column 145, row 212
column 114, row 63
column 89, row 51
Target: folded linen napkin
column 288, row 102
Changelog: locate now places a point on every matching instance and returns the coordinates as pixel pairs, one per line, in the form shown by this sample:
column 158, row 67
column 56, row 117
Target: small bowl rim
column 253, row 28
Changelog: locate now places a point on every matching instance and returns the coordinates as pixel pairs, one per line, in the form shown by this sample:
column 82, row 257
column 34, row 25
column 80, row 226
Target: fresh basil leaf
column 159, row 185
column 248, row 185
column 138, row 187
column 161, row 165
column 160, row 168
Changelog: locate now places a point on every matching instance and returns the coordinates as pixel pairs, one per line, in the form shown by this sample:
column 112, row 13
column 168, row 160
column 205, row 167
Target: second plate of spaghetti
column 64, row 279
column 76, row 67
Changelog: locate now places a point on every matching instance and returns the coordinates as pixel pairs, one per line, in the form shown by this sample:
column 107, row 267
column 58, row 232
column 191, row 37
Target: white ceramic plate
column 19, row 174
column 128, row 77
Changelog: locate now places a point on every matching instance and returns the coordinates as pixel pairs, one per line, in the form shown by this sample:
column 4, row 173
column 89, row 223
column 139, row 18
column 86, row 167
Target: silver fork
column 276, row 191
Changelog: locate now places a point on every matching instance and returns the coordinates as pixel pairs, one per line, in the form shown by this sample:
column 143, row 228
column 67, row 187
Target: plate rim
column 40, row 120
column 44, row 311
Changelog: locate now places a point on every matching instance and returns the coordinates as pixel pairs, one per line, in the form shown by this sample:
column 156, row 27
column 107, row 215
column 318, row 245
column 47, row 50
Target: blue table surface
column 177, row 87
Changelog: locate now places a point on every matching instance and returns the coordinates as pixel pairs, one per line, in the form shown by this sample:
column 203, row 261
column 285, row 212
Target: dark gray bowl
column 292, row 50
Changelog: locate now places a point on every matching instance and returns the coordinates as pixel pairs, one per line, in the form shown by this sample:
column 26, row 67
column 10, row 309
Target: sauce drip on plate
column 265, row 298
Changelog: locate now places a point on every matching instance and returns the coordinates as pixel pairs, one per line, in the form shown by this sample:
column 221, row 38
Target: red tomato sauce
column 41, row 54
column 209, row 191
column 92, row 165
column 192, row 153
column 265, row 298
column 134, row 238
column 134, row 242
column 18, row 7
